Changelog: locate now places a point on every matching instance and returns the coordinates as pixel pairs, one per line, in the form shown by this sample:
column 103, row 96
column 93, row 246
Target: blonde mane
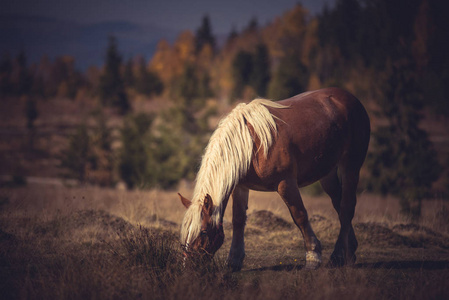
column 227, row 158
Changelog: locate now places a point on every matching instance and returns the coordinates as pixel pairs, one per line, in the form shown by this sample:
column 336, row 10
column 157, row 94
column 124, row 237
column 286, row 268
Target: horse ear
column 208, row 205
column 186, row 202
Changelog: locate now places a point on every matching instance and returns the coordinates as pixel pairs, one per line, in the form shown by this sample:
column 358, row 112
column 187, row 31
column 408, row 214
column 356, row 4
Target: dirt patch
column 267, row 220
column 407, row 235
column 422, row 235
column 83, row 219
column 377, row 234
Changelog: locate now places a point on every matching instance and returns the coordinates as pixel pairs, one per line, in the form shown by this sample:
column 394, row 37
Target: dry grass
column 85, row 243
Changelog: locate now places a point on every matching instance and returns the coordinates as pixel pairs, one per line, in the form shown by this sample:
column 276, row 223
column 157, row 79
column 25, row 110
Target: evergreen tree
column 134, row 156
column 24, row 79
column 128, row 76
column 77, row 156
column 148, row 83
column 102, row 163
column 290, row 78
column 403, row 162
column 31, row 115
column 112, row 89
column 204, row 35
column 5, row 75
column 260, row 74
column 242, row 68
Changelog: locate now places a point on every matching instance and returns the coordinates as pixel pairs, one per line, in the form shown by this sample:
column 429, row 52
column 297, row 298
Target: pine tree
column 260, row 74
column 204, row 35
column 290, row 78
column 133, row 156
column 148, row 83
column 24, row 79
column 403, row 162
column 242, row 68
column 31, row 114
column 128, row 76
column 77, row 156
column 112, row 88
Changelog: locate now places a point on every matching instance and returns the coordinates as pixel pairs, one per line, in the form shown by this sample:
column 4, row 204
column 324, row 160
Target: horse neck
column 220, row 196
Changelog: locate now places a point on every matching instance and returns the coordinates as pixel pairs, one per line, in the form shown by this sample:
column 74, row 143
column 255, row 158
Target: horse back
column 318, row 130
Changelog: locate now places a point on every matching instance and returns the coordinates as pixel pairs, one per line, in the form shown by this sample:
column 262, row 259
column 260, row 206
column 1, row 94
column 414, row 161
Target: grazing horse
column 280, row 146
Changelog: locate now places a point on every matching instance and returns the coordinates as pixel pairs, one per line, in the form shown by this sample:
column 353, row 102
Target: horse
column 320, row 135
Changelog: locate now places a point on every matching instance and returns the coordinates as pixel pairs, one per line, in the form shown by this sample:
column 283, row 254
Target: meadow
column 58, row 242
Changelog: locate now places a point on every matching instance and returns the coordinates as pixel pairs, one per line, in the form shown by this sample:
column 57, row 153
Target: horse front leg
column 289, row 192
column 239, row 207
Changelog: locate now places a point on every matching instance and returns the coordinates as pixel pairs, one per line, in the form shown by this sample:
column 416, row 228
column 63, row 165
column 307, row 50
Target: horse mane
column 227, row 159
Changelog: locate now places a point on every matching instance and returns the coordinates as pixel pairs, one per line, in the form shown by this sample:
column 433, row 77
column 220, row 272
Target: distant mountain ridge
column 39, row 36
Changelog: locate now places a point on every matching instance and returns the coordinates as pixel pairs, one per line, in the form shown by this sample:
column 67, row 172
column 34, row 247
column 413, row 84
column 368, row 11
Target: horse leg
column 239, row 207
column 343, row 195
column 289, row 192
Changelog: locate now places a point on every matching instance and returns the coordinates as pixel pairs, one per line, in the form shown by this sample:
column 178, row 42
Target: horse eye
column 203, row 233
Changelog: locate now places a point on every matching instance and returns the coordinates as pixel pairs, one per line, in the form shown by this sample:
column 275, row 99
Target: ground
column 89, row 242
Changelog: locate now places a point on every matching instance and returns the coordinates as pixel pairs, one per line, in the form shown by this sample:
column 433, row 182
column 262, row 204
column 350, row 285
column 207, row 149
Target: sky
column 171, row 14
column 80, row 28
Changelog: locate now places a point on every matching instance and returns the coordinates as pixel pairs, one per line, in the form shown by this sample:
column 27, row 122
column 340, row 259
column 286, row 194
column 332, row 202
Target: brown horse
column 280, row 146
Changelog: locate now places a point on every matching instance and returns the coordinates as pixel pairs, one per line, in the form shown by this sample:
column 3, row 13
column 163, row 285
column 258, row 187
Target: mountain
column 87, row 43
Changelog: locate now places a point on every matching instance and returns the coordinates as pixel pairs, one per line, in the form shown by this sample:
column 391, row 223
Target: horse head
column 205, row 236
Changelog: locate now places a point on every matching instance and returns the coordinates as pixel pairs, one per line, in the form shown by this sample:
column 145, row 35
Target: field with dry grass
column 86, row 243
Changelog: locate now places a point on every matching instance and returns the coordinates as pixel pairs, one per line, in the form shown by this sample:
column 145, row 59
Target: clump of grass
column 154, row 250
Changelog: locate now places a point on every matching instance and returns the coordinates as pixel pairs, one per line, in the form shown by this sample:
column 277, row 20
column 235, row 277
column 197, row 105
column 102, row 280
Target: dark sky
column 173, row 14
column 80, row 27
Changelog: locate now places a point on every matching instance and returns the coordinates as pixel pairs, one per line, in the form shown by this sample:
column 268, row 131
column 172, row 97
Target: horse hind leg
column 343, row 195
column 239, row 207
column 289, row 192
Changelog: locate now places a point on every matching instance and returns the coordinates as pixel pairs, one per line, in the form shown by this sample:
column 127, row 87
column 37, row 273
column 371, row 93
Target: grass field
column 93, row 243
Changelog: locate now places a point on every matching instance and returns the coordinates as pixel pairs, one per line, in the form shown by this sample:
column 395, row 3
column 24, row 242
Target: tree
column 133, row 155
column 102, row 162
column 242, row 68
column 204, row 35
column 23, row 81
column 128, row 76
column 260, row 74
column 403, row 162
column 5, row 75
column 112, row 89
column 31, row 114
column 147, row 82
column 290, row 78
column 77, row 156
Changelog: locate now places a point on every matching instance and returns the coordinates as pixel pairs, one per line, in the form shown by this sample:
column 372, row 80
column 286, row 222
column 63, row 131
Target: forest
column 390, row 54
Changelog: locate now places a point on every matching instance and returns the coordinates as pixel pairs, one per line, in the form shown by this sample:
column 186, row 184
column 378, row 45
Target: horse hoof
column 313, row 260
column 235, row 268
column 337, row 261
